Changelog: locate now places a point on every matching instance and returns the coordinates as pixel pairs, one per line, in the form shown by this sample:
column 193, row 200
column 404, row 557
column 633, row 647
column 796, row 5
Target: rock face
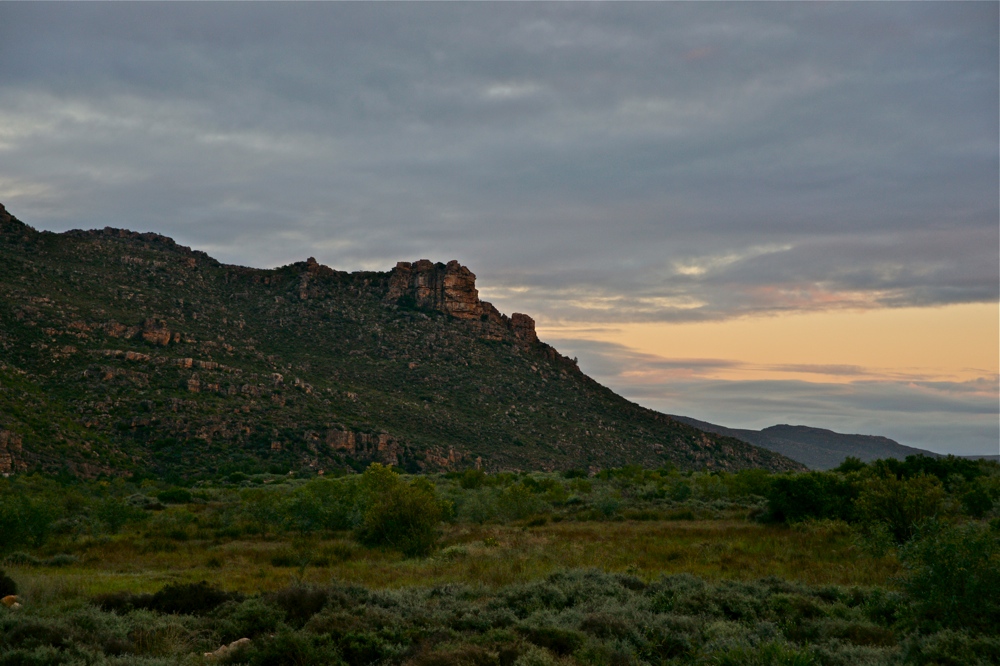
column 10, row 447
column 382, row 447
column 451, row 288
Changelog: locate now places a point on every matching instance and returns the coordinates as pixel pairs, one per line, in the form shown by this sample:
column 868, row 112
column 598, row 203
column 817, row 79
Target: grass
column 490, row 556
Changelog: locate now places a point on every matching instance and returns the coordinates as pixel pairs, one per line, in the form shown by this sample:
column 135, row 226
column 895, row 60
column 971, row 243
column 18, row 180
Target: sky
column 747, row 213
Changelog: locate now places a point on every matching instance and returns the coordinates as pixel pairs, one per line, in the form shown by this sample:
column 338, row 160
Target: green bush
column 174, row 496
column 812, row 495
column 953, row 576
column 976, row 501
column 398, row 515
column 262, row 508
column 114, row 513
column 25, row 520
column 517, row 502
column 324, row 504
column 899, row 504
column 472, row 478
column 7, row 584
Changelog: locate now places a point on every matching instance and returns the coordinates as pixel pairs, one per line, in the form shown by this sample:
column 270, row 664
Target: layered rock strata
column 451, row 288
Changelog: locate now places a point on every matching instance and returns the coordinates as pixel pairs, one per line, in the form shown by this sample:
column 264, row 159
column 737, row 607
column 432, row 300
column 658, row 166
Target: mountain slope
column 814, row 447
column 122, row 351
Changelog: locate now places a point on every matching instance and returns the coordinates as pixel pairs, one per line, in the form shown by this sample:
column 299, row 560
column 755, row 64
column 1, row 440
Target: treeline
column 887, row 501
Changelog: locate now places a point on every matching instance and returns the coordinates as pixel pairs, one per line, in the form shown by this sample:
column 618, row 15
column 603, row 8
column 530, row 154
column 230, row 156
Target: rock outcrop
column 451, row 288
column 10, row 448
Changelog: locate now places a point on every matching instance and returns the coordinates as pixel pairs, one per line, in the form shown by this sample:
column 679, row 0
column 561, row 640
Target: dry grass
column 490, row 556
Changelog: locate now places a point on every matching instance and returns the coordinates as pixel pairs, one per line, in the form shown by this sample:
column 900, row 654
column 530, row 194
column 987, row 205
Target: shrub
column 398, row 515
column 184, row 598
column 24, row 521
column 174, row 496
column 560, row 641
column 262, row 508
column 189, row 598
column 953, row 576
column 472, row 479
column 299, row 602
column 749, row 482
column 114, row 513
column 899, row 504
column 287, row 648
column 976, row 501
column 951, row 648
column 517, row 502
column 362, row 649
column 7, row 584
column 324, row 504
column 812, row 495
column 250, row 618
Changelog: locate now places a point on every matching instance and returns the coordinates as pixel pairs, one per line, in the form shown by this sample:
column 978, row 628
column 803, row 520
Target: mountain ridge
column 125, row 352
column 817, row 448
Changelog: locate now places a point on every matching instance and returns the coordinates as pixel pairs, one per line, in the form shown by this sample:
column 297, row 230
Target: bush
column 174, row 496
column 517, row 502
column 262, row 508
column 7, row 584
column 398, row 515
column 812, row 495
column 951, row 648
column 24, row 521
column 953, row 576
column 114, row 513
column 560, row 641
column 187, row 598
column 976, row 501
column 472, row 479
column 299, row 602
column 291, row 649
column 250, row 618
column 899, row 504
column 324, row 504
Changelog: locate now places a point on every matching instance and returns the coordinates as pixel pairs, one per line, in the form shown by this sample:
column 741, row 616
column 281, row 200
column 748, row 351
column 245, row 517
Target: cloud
column 945, row 417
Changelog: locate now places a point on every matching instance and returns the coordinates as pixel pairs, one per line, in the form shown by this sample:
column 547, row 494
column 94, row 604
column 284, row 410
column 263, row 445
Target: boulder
column 226, row 650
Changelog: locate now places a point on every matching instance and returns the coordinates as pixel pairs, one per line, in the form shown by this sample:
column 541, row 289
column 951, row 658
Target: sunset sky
column 750, row 213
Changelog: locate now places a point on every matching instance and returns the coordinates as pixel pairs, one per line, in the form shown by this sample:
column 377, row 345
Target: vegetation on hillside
column 124, row 353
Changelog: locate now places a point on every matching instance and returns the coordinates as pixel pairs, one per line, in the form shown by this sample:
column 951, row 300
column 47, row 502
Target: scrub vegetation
column 894, row 562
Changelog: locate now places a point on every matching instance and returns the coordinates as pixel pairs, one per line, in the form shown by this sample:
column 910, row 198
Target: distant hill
column 124, row 352
column 815, row 448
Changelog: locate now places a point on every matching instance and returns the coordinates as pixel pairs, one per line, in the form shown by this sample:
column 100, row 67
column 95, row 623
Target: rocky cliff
column 124, row 352
column 451, row 288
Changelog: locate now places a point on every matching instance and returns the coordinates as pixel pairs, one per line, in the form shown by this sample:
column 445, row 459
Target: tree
column 398, row 515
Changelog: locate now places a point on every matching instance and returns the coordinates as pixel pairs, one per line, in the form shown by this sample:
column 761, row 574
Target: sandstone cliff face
column 447, row 287
column 451, row 288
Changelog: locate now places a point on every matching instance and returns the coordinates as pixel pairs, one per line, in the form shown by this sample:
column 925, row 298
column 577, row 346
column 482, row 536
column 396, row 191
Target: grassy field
column 862, row 566
column 820, row 553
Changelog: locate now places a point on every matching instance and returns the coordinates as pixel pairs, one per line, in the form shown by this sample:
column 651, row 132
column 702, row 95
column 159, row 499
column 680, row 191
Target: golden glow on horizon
column 950, row 343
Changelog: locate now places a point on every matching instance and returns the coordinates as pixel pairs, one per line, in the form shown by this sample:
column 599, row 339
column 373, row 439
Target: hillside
column 815, row 448
column 125, row 352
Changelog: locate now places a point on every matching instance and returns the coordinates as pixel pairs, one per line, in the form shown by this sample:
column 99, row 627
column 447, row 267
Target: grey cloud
column 571, row 152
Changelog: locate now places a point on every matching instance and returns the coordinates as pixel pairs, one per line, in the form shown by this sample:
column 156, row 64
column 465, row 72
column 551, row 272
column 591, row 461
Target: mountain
column 124, row 352
column 815, row 448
